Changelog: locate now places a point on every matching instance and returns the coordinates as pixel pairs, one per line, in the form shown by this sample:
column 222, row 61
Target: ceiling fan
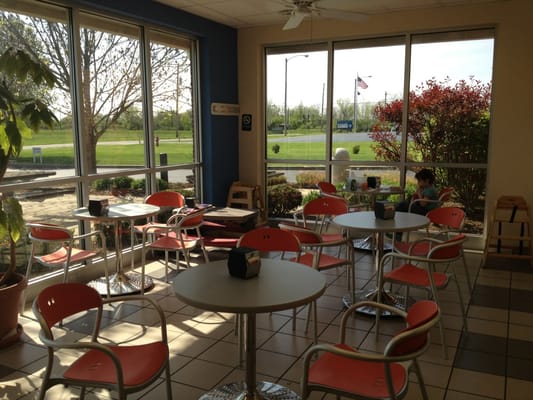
column 297, row 10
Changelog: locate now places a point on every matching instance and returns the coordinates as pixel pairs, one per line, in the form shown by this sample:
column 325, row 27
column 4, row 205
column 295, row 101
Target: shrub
column 310, row 179
column 122, row 182
column 356, row 148
column 282, row 199
column 275, row 148
column 140, row 184
column 313, row 194
column 276, row 180
column 103, row 184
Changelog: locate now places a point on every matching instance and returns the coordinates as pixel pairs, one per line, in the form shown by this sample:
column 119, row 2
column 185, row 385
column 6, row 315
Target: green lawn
column 133, row 154
column 129, row 154
column 58, row 136
column 316, row 150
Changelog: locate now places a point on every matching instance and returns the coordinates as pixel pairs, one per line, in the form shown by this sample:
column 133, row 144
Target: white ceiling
column 249, row 13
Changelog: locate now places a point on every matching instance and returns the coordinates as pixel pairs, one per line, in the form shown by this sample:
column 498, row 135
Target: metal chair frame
column 61, row 301
column 65, row 252
column 391, row 356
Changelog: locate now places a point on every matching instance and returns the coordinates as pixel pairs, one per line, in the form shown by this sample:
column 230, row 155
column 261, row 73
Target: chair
column 317, row 213
column 59, row 243
column 328, row 189
column 167, row 201
column 175, row 236
column 346, row 372
column 317, row 258
column 423, row 274
column 125, row 369
column 445, row 194
column 268, row 240
column 444, row 221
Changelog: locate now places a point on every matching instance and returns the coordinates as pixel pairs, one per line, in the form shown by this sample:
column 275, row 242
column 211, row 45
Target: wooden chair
column 125, row 369
column 348, row 373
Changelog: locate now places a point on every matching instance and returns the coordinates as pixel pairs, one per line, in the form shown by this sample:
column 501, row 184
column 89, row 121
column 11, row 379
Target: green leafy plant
column 275, row 148
column 22, row 112
column 282, row 199
column 356, row 149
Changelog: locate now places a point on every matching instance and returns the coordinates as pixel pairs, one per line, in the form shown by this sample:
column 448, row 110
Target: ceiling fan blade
column 340, row 14
column 294, row 21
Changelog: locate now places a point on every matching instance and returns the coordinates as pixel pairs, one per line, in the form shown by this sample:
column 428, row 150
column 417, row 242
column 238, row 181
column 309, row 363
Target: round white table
column 121, row 282
column 280, row 285
column 366, row 221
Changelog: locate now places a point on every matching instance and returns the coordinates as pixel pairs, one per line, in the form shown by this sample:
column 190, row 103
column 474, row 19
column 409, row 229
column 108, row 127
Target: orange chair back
column 451, row 217
column 270, row 239
column 59, row 301
column 48, row 232
column 166, row 199
column 326, row 187
column 445, row 193
column 306, row 236
column 419, row 314
column 326, row 206
column 450, row 249
column 192, row 220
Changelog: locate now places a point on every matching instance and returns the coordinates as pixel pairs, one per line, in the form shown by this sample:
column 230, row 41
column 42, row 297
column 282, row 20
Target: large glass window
column 392, row 106
column 125, row 108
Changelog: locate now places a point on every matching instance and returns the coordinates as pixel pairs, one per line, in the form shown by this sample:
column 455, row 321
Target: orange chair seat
column 167, row 242
column 60, row 256
column 95, row 366
column 413, row 275
column 326, row 261
column 420, row 249
column 364, row 378
column 332, row 237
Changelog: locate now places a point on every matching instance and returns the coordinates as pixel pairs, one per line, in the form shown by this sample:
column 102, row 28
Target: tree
column 446, row 124
column 110, row 71
column 19, row 116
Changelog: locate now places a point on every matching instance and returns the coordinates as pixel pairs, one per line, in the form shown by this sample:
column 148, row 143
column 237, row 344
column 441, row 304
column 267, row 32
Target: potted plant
column 20, row 106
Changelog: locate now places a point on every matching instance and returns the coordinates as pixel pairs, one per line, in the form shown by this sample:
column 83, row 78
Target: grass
column 317, row 150
column 126, row 154
column 61, row 136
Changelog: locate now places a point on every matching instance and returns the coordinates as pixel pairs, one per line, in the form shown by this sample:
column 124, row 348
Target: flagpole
column 355, row 104
column 358, row 82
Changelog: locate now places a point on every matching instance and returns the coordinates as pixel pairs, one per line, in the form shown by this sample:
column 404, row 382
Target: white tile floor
column 204, row 352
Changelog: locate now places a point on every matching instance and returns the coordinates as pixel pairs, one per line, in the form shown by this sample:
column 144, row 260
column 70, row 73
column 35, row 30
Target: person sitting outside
column 425, row 191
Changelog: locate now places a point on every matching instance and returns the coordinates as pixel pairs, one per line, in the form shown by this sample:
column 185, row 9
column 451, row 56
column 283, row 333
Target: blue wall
column 218, row 83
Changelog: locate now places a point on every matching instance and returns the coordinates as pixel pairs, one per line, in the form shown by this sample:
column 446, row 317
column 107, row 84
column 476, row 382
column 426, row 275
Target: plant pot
column 10, row 297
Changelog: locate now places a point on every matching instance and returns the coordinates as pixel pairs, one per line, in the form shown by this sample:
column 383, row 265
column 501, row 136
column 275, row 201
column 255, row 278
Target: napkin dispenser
column 384, row 209
column 373, row 182
column 99, row 208
column 244, row 262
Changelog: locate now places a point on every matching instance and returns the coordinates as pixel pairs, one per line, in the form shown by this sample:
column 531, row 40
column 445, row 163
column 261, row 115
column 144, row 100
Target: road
column 337, row 137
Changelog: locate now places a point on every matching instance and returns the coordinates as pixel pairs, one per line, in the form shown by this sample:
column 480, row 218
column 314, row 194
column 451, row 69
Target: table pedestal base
column 365, row 244
column 372, row 295
column 264, row 390
column 122, row 283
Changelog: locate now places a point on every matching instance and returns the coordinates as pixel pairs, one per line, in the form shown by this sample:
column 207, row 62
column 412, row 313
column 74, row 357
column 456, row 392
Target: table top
column 380, row 191
column 229, row 214
column 280, row 285
column 125, row 211
column 367, row 221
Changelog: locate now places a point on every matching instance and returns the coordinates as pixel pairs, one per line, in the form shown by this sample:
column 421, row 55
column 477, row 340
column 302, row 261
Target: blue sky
column 382, row 68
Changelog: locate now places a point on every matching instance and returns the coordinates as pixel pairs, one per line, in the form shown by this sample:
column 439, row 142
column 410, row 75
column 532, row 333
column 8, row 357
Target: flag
column 361, row 83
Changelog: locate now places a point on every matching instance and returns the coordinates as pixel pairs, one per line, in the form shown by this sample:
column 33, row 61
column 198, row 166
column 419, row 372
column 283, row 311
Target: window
column 392, row 106
column 125, row 103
